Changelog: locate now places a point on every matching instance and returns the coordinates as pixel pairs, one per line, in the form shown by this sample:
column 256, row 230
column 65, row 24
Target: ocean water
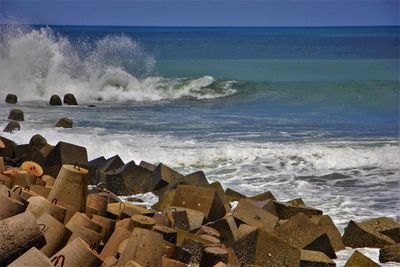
column 302, row 112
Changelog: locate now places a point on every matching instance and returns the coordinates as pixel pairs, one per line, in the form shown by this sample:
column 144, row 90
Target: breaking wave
column 37, row 63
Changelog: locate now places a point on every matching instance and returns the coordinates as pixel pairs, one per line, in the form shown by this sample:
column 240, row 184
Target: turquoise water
column 289, row 70
column 303, row 112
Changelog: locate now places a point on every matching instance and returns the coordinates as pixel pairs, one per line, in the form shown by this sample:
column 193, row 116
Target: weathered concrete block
column 95, row 175
column 181, row 235
column 312, row 258
column 266, row 249
column 390, row 254
column 69, row 99
column 77, row 253
column 22, row 152
column 301, row 232
column 18, row 234
column 244, row 247
column 56, row 234
column 167, row 262
column 110, row 262
column 7, row 151
column 168, row 249
column 222, row 196
column 142, row 221
column 55, row 100
column 184, row 218
column 64, row 153
column 181, row 254
column 32, row 257
column 245, row 229
column 162, row 220
column 213, row 255
column 126, row 223
column 202, row 199
column 383, row 225
column 327, row 225
column 96, row 204
column 107, row 226
column 357, row 235
column 45, row 150
column 16, row 115
column 233, row 195
column 100, row 166
column 195, row 248
column 323, row 244
column 112, row 163
column 285, row 210
column 267, row 205
column 37, row 141
column 169, row 234
column 130, row 210
column 358, row 259
column 145, row 247
column 165, row 200
column 11, row 99
column 38, row 205
column 70, row 188
column 213, row 240
column 146, row 165
column 297, row 202
column 233, row 261
column 196, row 179
column 64, row 123
column 130, row 179
column 11, row 127
column 9, row 206
column 227, row 228
column 163, row 176
column 111, row 247
column 207, row 230
column 248, row 213
column 114, row 210
column 80, row 219
column 263, row 196
column 40, row 190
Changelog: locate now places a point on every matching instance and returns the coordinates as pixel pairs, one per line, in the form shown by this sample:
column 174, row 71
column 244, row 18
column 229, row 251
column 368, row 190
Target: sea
column 308, row 113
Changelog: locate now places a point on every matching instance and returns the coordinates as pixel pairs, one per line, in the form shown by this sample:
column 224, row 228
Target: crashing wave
column 37, row 63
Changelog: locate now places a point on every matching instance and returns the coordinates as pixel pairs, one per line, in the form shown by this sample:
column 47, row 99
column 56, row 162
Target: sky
column 202, row 13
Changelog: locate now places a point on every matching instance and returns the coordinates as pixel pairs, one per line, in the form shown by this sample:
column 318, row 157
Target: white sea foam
column 37, row 63
column 284, row 158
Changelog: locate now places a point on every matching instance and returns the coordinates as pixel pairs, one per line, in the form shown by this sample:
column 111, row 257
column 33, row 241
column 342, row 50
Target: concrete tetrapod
column 56, row 234
column 145, row 247
column 9, row 206
column 17, row 235
column 77, row 253
column 70, row 188
column 32, row 257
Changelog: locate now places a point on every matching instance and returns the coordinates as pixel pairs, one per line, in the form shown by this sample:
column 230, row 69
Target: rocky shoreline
column 51, row 216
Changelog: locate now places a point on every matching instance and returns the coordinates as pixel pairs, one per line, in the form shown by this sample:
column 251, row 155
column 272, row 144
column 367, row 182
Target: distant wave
column 37, row 63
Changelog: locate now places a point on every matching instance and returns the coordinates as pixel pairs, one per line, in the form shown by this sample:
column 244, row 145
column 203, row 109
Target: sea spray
column 38, row 62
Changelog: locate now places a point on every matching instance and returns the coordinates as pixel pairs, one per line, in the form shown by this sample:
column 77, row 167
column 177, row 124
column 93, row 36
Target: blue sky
column 203, row 13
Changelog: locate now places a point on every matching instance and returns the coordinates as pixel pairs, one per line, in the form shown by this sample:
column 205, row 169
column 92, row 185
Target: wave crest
column 37, row 63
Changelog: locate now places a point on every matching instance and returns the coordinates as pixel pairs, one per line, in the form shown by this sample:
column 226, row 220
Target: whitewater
column 40, row 63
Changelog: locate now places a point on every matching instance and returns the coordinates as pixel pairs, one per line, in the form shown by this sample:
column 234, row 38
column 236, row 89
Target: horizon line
column 199, row 26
